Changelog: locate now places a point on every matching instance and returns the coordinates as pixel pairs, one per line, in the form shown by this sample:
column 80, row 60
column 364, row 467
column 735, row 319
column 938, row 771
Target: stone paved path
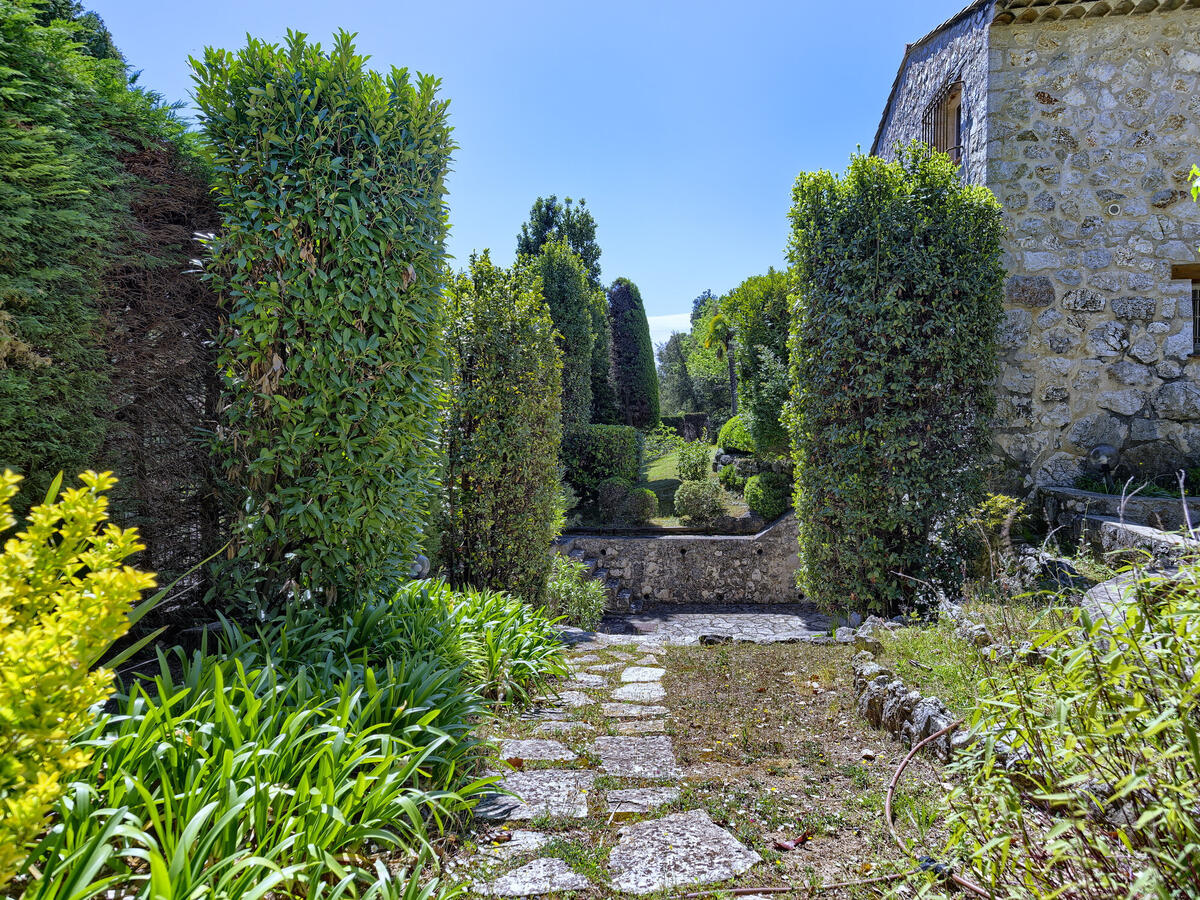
column 685, row 624
column 565, row 781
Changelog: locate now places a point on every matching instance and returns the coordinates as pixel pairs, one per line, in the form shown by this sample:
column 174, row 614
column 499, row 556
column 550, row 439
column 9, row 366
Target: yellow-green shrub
column 64, row 598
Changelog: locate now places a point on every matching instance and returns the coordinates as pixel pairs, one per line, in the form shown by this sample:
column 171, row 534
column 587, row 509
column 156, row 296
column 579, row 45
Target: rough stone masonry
column 1085, row 127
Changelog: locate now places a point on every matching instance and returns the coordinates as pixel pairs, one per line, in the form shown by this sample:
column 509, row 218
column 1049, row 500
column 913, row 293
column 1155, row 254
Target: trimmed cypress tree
column 330, row 263
column 898, row 295
column 569, row 297
column 501, row 432
column 633, row 373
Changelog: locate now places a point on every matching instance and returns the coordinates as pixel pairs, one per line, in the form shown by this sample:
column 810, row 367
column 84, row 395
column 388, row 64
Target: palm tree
column 719, row 337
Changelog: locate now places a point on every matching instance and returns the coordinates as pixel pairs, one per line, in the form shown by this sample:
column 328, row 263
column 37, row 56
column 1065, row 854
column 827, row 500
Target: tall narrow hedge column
column 893, row 360
column 633, row 372
column 329, row 259
column 501, row 431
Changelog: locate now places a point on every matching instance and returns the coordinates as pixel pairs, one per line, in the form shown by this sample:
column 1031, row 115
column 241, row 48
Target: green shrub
column 500, row 432
column 695, row 461
column 634, row 375
column 1085, row 777
column 731, row 479
column 699, row 503
column 641, row 505
column 574, row 595
column 768, row 494
column 760, row 312
column 613, row 499
column 734, row 436
column 65, row 597
column 888, row 455
column 569, row 297
column 330, row 261
column 592, row 453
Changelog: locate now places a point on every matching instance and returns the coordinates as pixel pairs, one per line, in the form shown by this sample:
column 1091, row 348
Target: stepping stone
column 642, row 726
column 637, row 757
column 640, row 692
column 620, row 654
column 560, row 727
column 680, row 849
column 573, row 699
column 631, row 710
column 547, row 792
column 605, row 667
column 542, row 876
column 535, row 749
column 584, row 680
column 638, row 801
column 520, row 842
column 585, row 658
column 648, row 660
column 643, row 673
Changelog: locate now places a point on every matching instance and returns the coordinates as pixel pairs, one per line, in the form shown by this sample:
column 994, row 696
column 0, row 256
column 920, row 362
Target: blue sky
column 682, row 124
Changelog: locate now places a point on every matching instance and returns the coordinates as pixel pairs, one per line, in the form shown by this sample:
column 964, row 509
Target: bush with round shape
column 734, row 437
column 501, row 432
column 695, row 461
column 330, row 262
column 768, row 494
column 592, row 453
column 731, row 479
column 641, row 505
column 893, row 362
column 613, row 498
column 699, row 503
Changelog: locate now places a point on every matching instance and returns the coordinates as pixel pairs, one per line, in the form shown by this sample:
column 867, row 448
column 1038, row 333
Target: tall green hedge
column 759, row 312
column 61, row 198
column 594, row 453
column 501, row 432
column 329, row 261
column 634, row 375
column 898, row 290
column 569, row 297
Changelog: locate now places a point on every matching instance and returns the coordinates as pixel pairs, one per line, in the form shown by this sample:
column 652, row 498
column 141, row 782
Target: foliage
column 718, row 336
column 1085, row 778
column 893, row 365
column 574, row 595
column 612, row 496
column 65, row 597
column 735, row 436
column 1145, row 489
column 661, row 441
column 768, row 494
column 501, row 431
column 759, row 311
column 676, row 393
column 592, row 453
column 604, row 394
column 553, row 222
column 695, row 460
column 569, row 297
column 989, row 528
column 329, row 258
column 279, row 759
column 635, row 378
column 699, row 503
column 707, row 366
column 642, row 505
column 731, row 479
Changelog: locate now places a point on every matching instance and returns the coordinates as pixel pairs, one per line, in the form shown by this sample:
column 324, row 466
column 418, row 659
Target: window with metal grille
column 942, row 125
column 1196, row 318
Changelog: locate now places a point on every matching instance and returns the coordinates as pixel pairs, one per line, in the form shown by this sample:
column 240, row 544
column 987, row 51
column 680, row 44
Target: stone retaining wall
column 1065, row 507
column 759, row 568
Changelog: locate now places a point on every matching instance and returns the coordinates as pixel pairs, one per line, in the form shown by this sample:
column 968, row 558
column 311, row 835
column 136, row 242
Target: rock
column 844, row 635
column 1029, row 290
column 574, row 699
column 868, row 754
column 642, row 673
column 1178, row 401
column 680, row 849
column 854, row 619
column 639, row 692
column 920, row 722
column 637, row 757
column 546, row 792
column 871, row 700
column 898, row 707
column 867, row 638
column 642, row 726
column 536, row 750
column 639, row 801
column 520, row 841
column 709, row 640
column 559, row 727
column 1134, row 307
column 542, row 876
column 631, row 711
column 585, row 680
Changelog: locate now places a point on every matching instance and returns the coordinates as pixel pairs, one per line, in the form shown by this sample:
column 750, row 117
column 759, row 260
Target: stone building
column 1083, row 117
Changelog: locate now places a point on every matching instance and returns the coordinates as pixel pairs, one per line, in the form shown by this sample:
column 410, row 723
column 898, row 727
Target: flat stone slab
column 642, row 726
column 535, row 749
column 648, row 660
column 643, row 673
column 558, row 793
column 521, row 841
column 640, row 692
column 680, row 849
column 631, row 711
column 585, row 658
column 583, row 681
column 573, row 699
column 542, row 876
column 637, row 757
column 638, row 801
column 560, row 727
column 605, row 667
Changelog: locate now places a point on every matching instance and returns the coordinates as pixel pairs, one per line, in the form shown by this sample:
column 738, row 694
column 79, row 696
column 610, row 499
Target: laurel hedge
column 898, row 297
column 593, row 453
column 329, row 261
column 500, row 432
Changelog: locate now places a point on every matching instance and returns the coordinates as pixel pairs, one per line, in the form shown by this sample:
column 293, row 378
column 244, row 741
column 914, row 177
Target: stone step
column 577, row 554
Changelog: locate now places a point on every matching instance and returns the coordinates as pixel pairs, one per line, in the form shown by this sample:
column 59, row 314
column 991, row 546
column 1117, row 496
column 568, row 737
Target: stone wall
column 1093, row 125
column 959, row 52
column 758, row 568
